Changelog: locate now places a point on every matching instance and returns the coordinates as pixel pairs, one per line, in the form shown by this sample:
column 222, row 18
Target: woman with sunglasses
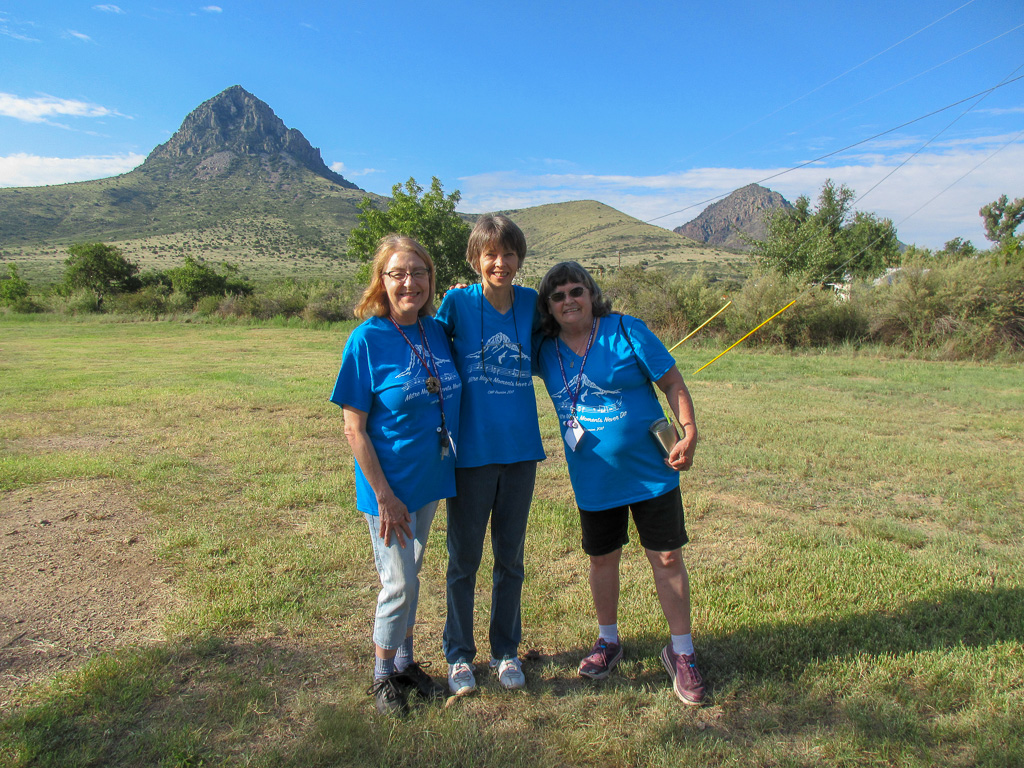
column 400, row 394
column 598, row 368
column 491, row 325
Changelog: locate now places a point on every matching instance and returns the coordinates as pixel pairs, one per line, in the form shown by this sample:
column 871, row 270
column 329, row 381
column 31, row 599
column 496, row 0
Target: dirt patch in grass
column 80, row 577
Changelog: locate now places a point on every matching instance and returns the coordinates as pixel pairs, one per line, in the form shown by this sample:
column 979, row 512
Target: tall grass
column 855, row 556
column 960, row 310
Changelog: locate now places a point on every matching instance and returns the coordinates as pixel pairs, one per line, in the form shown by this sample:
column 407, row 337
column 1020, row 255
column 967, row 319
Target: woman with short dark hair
column 491, row 326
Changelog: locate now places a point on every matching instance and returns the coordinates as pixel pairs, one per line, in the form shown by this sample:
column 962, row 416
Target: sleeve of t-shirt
column 654, row 357
column 447, row 312
column 354, row 386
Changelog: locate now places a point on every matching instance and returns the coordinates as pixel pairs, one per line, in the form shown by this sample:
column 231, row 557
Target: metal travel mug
column 665, row 435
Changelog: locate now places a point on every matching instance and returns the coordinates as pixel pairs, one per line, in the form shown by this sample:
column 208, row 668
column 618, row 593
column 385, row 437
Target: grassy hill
column 299, row 230
column 296, row 223
column 602, row 238
column 235, row 184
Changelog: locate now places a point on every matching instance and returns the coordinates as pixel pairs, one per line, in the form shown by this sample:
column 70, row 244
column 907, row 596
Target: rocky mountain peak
column 234, row 123
column 743, row 212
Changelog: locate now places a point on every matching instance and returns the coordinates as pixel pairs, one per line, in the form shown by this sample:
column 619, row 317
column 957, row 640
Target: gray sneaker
column 510, row 673
column 460, row 678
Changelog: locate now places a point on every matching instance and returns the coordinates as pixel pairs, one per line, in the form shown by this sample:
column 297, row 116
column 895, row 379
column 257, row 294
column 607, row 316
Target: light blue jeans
column 399, row 572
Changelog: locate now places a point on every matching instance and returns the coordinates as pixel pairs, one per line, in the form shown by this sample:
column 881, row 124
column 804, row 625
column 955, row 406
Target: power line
column 829, row 82
column 847, row 147
column 913, row 77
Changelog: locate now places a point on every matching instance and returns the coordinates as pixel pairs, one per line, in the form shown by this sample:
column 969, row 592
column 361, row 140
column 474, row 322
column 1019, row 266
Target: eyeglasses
column 559, row 296
column 400, row 276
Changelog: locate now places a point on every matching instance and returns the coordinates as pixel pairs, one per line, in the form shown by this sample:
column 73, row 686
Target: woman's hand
column 680, row 458
column 394, row 519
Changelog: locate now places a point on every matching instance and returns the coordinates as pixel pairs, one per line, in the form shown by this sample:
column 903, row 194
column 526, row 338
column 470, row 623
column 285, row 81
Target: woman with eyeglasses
column 598, row 368
column 491, row 324
column 400, row 394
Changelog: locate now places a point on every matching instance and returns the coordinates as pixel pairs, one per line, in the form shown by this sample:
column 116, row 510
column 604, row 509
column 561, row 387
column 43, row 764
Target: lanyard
column 574, row 398
column 433, row 381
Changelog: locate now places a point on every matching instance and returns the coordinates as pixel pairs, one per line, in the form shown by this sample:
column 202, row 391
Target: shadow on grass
column 269, row 704
column 781, row 652
column 953, row 619
column 190, row 702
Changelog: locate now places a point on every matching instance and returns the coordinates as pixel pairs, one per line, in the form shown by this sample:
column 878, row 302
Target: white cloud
column 37, row 109
column 8, row 32
column 23, row 170
column 107, row 8
column 212, row 9
column 80, row 35
column 915, row 196
column 339, row 167
column 9, row 28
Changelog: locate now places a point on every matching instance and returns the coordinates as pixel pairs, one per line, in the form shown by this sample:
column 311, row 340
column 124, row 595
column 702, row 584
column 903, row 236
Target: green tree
column 1001, row 218
column 826, row 243
column 430, row 219
column 958, row 249
column 100, row 268
column 196, row 279
column 13, row 288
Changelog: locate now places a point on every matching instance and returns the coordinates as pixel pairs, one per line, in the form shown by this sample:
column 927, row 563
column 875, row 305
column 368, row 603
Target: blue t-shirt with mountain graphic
column 617, row 461
column 492, row 353
column 382, row 376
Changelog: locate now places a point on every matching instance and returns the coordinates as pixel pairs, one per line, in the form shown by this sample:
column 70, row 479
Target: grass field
column 855, row 558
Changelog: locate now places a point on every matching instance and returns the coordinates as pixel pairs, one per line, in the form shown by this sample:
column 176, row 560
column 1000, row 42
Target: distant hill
column 235, row 184
column 741, row 213
column 600, row 237
column 224, row 132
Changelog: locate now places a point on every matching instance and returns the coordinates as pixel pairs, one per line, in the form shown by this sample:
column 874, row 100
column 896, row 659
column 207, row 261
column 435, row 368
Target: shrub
column 13, row 288
column 329, row 303
column 671, row 307
column 196, row 279
column 24, row 305
column 73, row 302
column 972, row 308
column 150, row 300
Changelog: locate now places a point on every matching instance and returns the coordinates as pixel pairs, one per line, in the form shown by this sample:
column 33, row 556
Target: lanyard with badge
column 574, row 432
column 433, row 384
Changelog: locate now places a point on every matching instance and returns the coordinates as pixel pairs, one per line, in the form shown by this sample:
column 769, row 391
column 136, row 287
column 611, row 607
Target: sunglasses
column 559, row 296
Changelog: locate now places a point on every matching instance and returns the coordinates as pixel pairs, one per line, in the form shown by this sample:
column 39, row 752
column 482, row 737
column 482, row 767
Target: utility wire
column 829, row 82
column 933, row 138
column 912, row 78
column 848, row 146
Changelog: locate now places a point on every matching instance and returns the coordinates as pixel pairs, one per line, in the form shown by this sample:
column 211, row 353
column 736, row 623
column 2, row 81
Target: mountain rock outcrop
column 235, row 124
column 744, row 212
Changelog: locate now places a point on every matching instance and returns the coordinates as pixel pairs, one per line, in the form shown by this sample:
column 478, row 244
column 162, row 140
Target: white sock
column 609, row 632
column 682, row 644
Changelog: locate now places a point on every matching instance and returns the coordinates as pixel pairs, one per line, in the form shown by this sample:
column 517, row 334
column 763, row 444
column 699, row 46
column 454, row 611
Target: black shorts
column 659, row 523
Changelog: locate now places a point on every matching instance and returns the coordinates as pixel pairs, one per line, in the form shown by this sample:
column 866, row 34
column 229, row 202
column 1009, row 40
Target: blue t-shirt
column 382, row 376
column 492, row 352
column 617, row 461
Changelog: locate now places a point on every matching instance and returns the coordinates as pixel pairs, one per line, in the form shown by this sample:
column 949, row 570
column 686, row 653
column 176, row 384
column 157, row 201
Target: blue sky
column 651, row 107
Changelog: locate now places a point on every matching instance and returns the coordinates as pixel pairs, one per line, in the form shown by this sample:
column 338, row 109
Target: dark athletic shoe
column 603, row 658
column 425, row 685
column 389, row 694
column 686, row 678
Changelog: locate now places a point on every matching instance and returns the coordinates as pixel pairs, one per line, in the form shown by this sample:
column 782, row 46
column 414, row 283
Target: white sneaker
column 460, row 678
column 510, row 673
